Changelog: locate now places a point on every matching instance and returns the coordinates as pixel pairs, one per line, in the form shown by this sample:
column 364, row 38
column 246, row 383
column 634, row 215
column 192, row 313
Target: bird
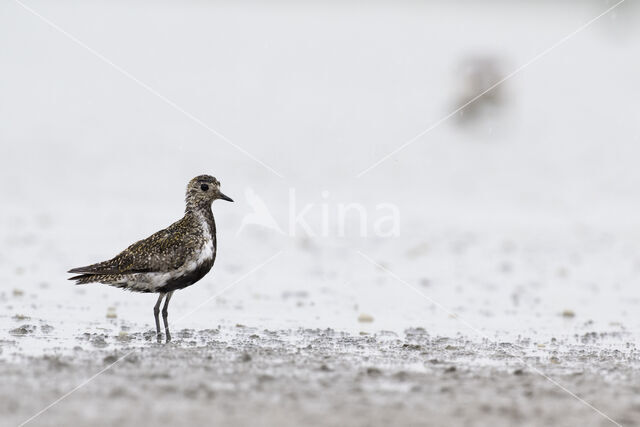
column 171, row 259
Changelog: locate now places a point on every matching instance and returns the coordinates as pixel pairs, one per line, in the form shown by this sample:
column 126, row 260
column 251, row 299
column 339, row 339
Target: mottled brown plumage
column 170, row 259
column 163, row 251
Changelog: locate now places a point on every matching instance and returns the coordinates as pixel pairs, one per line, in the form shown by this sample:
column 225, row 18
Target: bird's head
column 202, row 191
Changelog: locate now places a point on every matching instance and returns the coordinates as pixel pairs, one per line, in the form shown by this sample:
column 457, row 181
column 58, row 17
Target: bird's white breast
column 208, row 248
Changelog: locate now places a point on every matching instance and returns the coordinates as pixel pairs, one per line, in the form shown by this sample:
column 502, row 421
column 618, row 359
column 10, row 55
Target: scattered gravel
column 245, row 376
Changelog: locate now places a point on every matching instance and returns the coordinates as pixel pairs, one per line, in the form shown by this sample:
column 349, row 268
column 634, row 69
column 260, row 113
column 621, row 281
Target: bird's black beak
column 223, row 197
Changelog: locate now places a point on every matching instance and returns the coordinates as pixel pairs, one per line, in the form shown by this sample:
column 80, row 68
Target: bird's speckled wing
column 163, row 251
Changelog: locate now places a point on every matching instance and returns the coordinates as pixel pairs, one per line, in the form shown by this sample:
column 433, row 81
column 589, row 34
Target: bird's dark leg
column 156, row 311
column 165, row 314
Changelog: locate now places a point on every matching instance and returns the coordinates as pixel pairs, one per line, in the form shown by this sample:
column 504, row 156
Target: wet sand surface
column 475, row 328
column 248, row 376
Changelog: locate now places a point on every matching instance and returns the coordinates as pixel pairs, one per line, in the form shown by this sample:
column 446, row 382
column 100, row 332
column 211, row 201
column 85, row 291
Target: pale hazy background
column 521, row 209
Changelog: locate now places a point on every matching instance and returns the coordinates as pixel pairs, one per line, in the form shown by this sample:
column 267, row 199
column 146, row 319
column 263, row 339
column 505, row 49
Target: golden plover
column 170, row 259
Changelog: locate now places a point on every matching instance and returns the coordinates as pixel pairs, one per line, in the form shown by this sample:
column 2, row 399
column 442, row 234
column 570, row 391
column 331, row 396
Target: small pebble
column 23, row 330
column 112, row 358
column 123, row 336
column 365, row 318
column 374, row 372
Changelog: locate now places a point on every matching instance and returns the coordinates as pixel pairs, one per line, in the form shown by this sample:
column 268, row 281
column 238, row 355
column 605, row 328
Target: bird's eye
column 204, row 187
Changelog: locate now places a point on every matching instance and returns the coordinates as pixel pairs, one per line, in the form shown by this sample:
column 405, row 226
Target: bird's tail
column 90, row 273
column 85, row 278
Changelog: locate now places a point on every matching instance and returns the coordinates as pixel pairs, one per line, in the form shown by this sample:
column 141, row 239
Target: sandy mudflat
column 278, row 350
column 247, row 376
